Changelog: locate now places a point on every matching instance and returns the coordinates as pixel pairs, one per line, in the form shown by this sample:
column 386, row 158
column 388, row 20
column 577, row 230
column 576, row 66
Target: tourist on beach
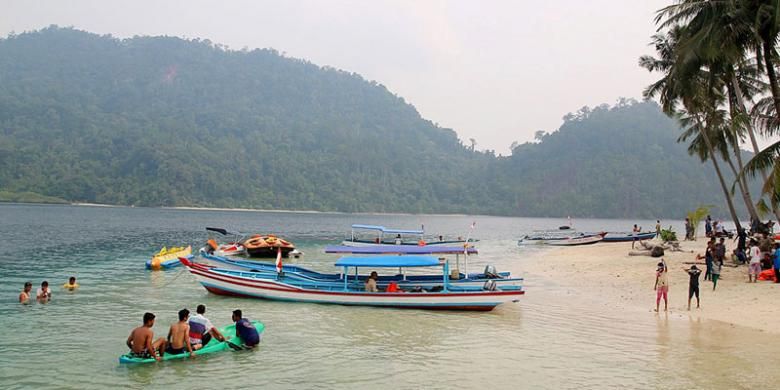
column 71, row 285
column 634, row 233
column 708, row 257
column 708, row 226
column 44, row 292
column 179, row 335
column 658, row 228
column 245, row 331
column 765, row 244
column 716, row 267
column 776, row 263
column 754, row 267
column 688, row 230
column 741, row 239
column 140, row 341
column 201, row 329
column 24, row 296
column 371, row 282
column 693, row 286
column 661, row 285
column 720, row 250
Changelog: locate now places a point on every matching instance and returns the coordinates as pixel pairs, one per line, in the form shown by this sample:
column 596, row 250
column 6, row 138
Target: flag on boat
column 279, row 260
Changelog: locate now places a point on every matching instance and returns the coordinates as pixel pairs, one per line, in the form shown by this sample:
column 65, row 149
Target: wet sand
column 606, row 274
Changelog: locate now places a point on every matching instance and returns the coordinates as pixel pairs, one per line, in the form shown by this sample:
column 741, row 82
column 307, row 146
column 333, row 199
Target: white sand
column 605, row 273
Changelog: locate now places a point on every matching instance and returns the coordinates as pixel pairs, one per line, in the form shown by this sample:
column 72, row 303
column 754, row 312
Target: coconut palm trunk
column 714, row 159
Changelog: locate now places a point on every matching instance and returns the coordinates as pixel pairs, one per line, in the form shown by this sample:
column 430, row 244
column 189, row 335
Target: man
column 720, row 250
column 24, row 296
column 140, row 341
column 693, row 285
column 688, row 230
column 178, row 335
column 201, row 330
column 658, row 228
column 776, row 263
column 44, row 293
column 708, row 226
column 661, row 285
column 636, row 230
column 754, row 267
column 245, row 331
column 71, row 285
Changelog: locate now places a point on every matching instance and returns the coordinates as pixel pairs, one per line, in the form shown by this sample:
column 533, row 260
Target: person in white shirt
column 44, row 293
column 754, row 268
column 201, row 330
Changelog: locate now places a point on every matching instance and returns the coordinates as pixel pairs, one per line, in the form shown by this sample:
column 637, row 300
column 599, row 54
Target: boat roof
column 386, row 230
column 388, row 261
column 400, row 249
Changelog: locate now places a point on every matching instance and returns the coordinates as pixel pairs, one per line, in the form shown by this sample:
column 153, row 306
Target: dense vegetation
column 165, row 121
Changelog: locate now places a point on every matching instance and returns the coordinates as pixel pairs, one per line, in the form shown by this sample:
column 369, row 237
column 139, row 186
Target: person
column 765, row 244
column 44, row 293
column 178, row 335
column 661, row 285
column 708, row 226
column 658, row 228
column 371, row 282
column 693, row 285
column 776, row 262
column 716, row 267
column 754, row 267
column 245, row 331
column 708, row 258
column 71, row 285
column 634, row 232
column 201, row 330
column 441, row 238
column 688, row 230
column 720, row 250
column 140, row 341
column 398, row 239
column 24, row 296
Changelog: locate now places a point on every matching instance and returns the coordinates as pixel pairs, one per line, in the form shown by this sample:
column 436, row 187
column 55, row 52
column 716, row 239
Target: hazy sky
column 496, row 71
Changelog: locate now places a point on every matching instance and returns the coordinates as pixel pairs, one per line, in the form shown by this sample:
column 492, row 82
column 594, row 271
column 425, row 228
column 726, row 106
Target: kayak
column 213, row 346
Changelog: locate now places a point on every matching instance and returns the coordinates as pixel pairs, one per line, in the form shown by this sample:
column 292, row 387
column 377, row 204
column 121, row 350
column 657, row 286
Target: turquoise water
column 550, row 339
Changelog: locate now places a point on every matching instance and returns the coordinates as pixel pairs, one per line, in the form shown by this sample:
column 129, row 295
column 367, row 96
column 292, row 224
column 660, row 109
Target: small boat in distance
column 561, row 238
column 386, row 236
column 232, row 248
column 351, row 290
column 627, row 236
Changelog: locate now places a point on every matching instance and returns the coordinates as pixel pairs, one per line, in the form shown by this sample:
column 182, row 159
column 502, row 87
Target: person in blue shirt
column 245, row 330
column 776, row 262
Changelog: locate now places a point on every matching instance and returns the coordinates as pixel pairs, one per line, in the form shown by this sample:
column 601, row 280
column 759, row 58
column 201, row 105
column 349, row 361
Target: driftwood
column 656, row 250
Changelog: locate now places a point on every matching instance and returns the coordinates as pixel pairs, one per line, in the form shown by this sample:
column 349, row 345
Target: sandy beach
column 605, row 273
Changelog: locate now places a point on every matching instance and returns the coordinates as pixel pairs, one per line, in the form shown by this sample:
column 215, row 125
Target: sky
column 495, row 71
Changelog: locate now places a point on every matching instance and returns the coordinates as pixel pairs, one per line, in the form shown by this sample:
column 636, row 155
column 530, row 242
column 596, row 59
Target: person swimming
column 24, row 296
column 71, row 285
column 44, row 293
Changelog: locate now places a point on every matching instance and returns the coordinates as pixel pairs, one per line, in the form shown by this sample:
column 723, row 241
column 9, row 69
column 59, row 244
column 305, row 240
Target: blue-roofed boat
column 387, row 236
column 503, row 279
column 350, row 290
column 627, row 236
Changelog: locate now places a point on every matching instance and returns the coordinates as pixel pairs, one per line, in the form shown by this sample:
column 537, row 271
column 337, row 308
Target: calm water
column 551, row 339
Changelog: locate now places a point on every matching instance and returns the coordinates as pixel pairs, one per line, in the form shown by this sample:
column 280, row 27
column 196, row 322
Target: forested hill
column 165, row 121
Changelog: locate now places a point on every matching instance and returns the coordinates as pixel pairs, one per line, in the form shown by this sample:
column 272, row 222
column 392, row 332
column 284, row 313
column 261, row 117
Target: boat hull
column 253, row 285
column 268, row 252
column 368, row 243
column 628, row 237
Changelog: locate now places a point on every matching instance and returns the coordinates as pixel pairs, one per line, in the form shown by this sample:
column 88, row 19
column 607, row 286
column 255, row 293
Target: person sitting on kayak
column 178, row 335
column 245, row 331
column 44, row 293
column 71, row 285
column 24, row 296
column 201, row 329
column 140, row 341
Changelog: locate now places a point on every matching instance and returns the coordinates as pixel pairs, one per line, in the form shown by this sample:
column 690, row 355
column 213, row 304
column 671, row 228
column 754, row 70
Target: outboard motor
column 490, row 272
column 490, row 285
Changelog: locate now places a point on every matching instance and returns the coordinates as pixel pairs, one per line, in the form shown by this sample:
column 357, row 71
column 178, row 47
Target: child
column 693, row 285
column 754, row 268
column 661, row 285
column 716, row 266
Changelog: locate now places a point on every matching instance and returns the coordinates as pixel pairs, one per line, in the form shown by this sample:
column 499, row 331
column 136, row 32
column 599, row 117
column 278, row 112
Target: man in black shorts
column 693, row 285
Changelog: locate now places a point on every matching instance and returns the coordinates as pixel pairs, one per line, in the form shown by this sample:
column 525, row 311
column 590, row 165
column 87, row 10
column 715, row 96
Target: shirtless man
column 24, row 296
column 179, row 335
column 140, row 340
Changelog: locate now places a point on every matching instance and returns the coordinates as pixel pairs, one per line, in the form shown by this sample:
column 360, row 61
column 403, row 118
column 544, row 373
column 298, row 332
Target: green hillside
column 157, row 121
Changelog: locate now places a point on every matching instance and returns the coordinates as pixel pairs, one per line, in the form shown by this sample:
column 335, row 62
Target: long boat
column 627, row 236
column 351, row 290
column 502, row 279
column 584, row 240
column 554, row 237
column 386, row 236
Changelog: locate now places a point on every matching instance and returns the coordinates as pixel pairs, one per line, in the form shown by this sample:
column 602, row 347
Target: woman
column 661, row 285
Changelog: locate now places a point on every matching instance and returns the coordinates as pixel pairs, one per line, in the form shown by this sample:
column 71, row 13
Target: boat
column 386, row 236
column 267, row 246
column 584, row 240
column 402, row 279
column 232, row 248
column 550, row 237
column 402, row 249
column 231, row 341
column 350, row 290
column 627, row 236
column 168, row 258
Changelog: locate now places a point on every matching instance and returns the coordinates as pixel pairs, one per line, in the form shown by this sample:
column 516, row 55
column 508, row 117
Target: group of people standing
column 662, row 285
column 43, row 295
column 188, row 335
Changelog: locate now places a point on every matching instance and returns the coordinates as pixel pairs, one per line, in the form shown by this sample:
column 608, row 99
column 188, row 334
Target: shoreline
column 604, row 273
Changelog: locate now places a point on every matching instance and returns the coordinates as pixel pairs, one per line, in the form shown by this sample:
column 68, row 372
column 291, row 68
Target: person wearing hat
column 693, row 286
column 661, row 285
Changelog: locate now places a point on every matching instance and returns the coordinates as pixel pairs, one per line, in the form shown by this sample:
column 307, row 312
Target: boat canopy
column 388, row 261
column 386, row 230
column 401, row 249
column 221, row 231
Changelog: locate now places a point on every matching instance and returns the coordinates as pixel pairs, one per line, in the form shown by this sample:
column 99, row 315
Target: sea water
column 550, row 339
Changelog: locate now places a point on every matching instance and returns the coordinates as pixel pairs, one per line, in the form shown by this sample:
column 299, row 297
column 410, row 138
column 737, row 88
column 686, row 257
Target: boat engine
column 490, row 285
column 491, row 272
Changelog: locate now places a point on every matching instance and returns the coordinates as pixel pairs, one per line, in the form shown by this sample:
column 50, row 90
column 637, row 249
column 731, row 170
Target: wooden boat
column 627, row 236
column 385, row 236
column 551, row 237
column 267, row 246
column 350, row 290
column 502, row 279
column 168, row 258
column 584, row 240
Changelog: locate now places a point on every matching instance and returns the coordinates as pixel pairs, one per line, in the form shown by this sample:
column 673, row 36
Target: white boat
column 585, row 240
